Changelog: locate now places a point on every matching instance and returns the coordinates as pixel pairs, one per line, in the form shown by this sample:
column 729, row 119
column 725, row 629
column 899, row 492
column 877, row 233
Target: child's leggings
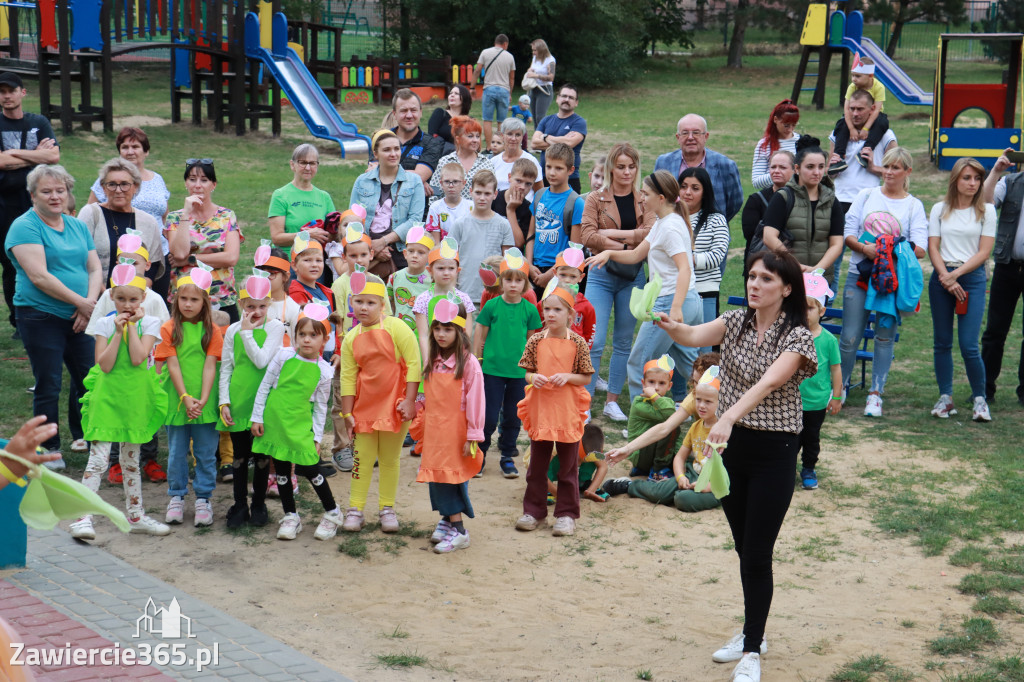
column 316, row 479
column 377, row 446
column 204, row 439
column 810, row 438
column 242, row 443
column 99, row 459
column 567, row 502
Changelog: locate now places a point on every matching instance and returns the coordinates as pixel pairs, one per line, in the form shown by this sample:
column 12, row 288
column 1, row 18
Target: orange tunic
column 380, row 385
column 555, row 413
column 442, row 429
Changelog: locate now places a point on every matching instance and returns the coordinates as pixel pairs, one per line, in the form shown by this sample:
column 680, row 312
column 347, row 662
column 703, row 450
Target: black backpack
column 757, row 240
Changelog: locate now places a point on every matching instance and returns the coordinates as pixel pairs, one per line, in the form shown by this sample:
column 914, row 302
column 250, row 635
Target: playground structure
column 825, row 34
column 213, row 62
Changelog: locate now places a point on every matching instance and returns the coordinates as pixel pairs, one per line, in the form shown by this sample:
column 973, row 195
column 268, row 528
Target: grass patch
column 975, row 633
column 403, row 660
column 354, row 546
column 397, row 633
column 996, row 605
column 644, row 674
column 868, row 668
column 819, row 548
column 983, row 583
column 969, row 555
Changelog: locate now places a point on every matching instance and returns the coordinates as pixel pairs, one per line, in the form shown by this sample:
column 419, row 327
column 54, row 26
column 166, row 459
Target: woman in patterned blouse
column 209, row 232
column 767, row 351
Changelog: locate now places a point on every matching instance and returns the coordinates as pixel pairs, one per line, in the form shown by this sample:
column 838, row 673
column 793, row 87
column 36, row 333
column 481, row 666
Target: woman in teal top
column 299, row 202
column 58, row 280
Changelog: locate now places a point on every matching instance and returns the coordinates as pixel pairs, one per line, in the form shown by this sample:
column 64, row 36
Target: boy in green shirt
column 648, row 410
column 409, row 282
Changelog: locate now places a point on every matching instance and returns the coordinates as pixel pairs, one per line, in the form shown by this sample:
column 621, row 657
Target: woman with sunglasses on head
column 150, row 197
column 110, row 219
column 209, row 232
column 298, row 203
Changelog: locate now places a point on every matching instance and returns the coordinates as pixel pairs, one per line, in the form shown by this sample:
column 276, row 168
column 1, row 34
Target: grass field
column 974, row 516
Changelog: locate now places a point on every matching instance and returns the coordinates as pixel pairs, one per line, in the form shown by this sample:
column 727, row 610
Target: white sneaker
column 873, row 408
column 614, row 412
column 82, row 529
column 328, row 527
column 57, row 464
column 527, row 522
column 981, row 413
column 291, row 525
column 733, row 650
column 148, row 526
column 564, row 525
column 204, row 513
column 748, row 669
column 453, row 541
column 944, row 408
column 175, row 510
column 601, row 384
column 441, row 532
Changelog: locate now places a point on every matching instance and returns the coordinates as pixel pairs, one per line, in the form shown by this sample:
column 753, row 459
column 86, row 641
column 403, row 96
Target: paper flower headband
column 363, row 285
column 354, row 211
column 200, row 275
column 125, row 275
column 318, row 313
column 816, row 286
column 566, row 292
column 446, row 311
column 710, row 378
column 257, row 286
column 418, row 235
column 131, row 242
column 664, row 363
column 448, row 249
column 515, row 260
column 571, row 257
column 263, row 259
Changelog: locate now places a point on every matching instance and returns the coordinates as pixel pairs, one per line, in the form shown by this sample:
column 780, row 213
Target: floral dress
column 481, row 163
column 210, row 236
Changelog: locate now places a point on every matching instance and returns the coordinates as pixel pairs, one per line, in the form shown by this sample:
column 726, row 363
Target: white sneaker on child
column 733, row 650
column 873, row 408
column 601, row 384
column 564, row 525
column 204, row 513
column 453, row 541
column 82, row 529
column 291, row 525
column 443, row 526
column 147, row 525
column 328, row 527
column 175, row 510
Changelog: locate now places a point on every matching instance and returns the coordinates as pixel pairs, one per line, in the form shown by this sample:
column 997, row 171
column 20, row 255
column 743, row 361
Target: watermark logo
column 164, row 622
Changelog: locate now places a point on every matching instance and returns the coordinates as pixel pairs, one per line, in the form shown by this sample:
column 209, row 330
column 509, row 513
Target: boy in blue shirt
column 522, row 111
column 556, row 210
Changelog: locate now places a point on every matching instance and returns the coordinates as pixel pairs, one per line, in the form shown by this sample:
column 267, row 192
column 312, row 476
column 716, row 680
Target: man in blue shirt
column 692, row 135
column 566, row 127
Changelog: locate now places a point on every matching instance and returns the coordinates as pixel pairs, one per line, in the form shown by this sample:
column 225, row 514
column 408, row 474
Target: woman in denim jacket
column 393, row 198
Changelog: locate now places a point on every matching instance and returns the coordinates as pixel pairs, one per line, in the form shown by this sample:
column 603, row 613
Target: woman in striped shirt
column 710, row 237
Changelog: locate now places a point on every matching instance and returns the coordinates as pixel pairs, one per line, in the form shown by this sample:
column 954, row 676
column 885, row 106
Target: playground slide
column 895, row 79
column 301, row 88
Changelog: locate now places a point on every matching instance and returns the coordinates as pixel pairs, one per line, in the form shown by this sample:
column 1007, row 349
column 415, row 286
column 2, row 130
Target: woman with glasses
column 109, row 219
column 299, row 203
column 150, row 197
column 208, row 232
column 467, row 132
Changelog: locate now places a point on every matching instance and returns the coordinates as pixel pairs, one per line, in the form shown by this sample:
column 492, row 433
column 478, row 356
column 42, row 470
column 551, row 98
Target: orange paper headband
column 555, row 288
column 304, row 242
column 710, row 378
column 514, row 260
column 354, row 233
column 572, row 257
column 448, row 249
column 664, row 364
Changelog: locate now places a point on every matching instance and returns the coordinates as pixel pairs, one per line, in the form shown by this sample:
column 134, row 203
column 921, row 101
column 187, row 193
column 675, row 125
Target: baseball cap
column 524, row 99
column 11, row 79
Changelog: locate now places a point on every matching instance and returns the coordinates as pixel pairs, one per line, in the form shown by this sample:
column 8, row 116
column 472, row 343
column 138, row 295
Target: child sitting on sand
column 649, row 410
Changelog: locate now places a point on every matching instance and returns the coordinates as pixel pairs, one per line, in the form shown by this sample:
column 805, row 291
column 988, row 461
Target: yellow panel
column 266, row 29
column 298, row 48
column 815, row 25
column 963, row 151
column 5, row 30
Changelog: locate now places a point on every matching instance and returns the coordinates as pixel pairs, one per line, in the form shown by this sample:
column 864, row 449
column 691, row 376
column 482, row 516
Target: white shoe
column 204, row 513
column 748, row 669
column 944, row 407
column 454, row 540
column 601, row 384
column 328, row 527
column 842, row 401
column 564, row 525
column 587, row 420
column 873, row 408
column 614, row 412
column 175, row 510
column 149, row 526
column 981, row 413
column 441, row 532
column 625, row 433
column 291, row 525
column 733, row 650
column 82, row 529
column 57, row 464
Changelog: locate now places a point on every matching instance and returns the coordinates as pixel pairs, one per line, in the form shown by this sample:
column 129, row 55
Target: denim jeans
column 653, row 341
column 502, row 395
column 1007, row 287
column 710, row 306
column 204, row 439
column 604, row 292
column 855, row 318
column 968, row 328
column 50, row 342
column 495, row 103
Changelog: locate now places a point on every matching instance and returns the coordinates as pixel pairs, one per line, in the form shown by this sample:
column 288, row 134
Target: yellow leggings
column 382, row 446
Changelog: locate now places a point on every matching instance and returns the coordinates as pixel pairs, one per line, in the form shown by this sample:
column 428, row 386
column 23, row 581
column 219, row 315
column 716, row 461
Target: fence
column 919, row 40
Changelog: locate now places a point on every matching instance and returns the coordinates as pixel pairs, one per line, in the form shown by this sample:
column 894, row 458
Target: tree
column 664, row 21
column 901, row 12
column 739, row 29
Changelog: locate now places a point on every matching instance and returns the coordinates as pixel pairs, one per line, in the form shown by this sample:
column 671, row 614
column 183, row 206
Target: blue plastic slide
column 895, row 79
column 305, row 94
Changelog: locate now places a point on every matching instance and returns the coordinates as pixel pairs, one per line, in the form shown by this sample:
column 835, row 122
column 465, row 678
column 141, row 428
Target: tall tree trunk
column 739, row 28
column 897, row 31
column 404, row 29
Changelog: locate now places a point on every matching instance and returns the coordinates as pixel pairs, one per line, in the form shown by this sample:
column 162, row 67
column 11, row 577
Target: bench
column 864, row 354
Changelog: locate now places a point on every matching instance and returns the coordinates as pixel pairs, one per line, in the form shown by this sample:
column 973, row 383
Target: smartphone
column 1015, row 157
column 961, row 306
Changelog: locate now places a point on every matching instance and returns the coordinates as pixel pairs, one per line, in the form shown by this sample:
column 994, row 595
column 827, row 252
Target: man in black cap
column 26, row 140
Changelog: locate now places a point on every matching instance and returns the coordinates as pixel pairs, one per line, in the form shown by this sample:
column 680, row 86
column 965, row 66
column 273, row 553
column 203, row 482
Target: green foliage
column 902, row 12
column 309, row 10
column 604, row 54
column 975, row 633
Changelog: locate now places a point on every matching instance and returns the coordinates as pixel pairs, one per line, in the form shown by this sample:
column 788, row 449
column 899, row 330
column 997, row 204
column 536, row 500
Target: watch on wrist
column 545, row 138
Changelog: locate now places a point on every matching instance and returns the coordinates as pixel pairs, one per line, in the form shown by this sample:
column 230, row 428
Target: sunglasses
column 194, row 162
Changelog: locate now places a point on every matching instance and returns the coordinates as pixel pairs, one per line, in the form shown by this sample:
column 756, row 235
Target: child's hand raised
column 137, row 315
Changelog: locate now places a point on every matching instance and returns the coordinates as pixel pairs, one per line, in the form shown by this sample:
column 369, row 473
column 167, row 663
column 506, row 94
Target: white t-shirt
column 908, row 211
column 288, row 312
column 149, row 325
column 442, row 216
column 856, row 177
column 1018, row 239
column 960, row 231
column 153, row 306
column 503, row 169
column 759, row 176
column 541, row 67
column 669, row 237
